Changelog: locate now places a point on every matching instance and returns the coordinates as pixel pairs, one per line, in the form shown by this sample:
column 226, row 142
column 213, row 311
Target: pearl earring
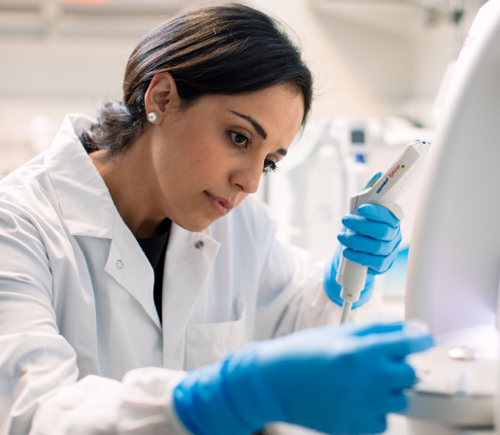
column 152, row 117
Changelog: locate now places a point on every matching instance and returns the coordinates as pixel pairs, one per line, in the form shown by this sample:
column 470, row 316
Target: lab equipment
column 453, row 270
column 386, row 191
column 335, row 380
column 332, row 287
column 454, row 389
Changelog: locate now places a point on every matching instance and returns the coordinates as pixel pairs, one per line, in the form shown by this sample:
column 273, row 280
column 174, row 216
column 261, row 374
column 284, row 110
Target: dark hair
column 228, row 49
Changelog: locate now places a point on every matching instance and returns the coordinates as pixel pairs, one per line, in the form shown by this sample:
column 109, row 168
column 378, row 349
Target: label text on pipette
column 394, row 172
column 383, row 184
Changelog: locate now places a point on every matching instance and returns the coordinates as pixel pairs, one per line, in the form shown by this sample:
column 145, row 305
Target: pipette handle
column 352, row 277
column 386, row 191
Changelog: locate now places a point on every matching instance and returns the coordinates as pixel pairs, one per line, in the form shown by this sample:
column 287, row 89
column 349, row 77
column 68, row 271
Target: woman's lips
column 221, row 205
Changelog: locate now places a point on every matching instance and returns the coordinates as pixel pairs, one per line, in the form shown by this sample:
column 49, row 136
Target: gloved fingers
column 378, row 213
column 376, row 424
column 373, row 229
column 376, row 263
column 402, row 375
column 380, row 425
column 360, row 243
column 364, row 329
column 331, row 263
column 401, row 343
column 394, row 401
column 371, row 421
column 387, row 263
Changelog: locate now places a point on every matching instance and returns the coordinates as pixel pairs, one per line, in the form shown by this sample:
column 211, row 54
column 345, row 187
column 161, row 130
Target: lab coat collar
column 88, row 210
column 84, row 199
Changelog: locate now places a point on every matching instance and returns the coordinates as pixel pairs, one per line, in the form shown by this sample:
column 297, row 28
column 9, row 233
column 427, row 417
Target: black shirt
column 155, row 249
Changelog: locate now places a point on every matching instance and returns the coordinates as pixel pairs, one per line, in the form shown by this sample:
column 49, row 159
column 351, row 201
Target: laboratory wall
column 369, row 57
column 59, row 57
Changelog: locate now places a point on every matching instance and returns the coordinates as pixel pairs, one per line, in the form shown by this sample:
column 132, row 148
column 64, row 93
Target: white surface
column 439, row 373
column 454, row 259
column 419, row 427
column 453, row 270
column 396, row 426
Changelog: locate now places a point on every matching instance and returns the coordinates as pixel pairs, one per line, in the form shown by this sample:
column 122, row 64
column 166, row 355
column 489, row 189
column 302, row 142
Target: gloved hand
column 338, row 380
column 371, row 239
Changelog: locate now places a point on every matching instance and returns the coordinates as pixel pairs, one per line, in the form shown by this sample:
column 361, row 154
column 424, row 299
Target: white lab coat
column 82, row 350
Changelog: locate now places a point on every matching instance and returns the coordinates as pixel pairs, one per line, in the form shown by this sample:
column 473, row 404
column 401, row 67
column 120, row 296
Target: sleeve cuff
column 149, row 400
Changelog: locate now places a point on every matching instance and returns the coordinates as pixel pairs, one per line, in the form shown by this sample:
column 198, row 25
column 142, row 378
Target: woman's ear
column 161, row 95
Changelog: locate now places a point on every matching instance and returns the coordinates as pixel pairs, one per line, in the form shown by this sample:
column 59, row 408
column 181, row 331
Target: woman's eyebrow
column 258, row 128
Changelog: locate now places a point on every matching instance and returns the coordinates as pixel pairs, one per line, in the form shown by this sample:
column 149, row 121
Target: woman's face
column 209, row 157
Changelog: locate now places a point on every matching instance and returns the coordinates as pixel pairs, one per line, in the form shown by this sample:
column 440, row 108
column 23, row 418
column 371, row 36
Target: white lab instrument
column 454, row 260
column 386, row 191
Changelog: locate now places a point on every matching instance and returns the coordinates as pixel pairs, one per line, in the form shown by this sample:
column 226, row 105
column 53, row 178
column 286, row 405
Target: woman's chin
column 196, row 225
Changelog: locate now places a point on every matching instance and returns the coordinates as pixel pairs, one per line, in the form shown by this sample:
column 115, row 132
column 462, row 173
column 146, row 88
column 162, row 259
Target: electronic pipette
column 386, row 191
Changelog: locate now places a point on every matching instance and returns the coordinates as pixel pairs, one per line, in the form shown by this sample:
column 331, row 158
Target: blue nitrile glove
column 372, row 241
column 338, row 380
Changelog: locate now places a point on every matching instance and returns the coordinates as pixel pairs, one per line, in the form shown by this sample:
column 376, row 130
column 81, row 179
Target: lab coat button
column 119, row 264
column 199, row 245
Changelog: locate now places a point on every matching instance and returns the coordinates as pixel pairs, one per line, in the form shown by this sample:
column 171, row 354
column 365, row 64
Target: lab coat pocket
column 209, row 342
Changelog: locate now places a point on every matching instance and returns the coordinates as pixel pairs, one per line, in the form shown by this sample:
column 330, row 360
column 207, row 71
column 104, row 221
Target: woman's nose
column 248, row 178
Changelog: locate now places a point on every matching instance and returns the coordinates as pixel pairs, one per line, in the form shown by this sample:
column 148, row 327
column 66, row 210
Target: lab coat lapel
column 190, row 257
column 82, row 195
column 128, row 265
column 88, row 210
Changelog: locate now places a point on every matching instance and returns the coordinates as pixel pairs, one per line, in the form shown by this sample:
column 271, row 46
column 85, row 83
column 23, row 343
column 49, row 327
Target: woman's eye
column 269, row 166
column 239, row 139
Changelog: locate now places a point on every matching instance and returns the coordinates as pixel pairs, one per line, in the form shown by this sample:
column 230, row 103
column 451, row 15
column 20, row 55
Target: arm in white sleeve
column 142, row 404
column 39, row 388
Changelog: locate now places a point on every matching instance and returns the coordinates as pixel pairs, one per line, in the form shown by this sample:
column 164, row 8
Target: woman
column 130, row 253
